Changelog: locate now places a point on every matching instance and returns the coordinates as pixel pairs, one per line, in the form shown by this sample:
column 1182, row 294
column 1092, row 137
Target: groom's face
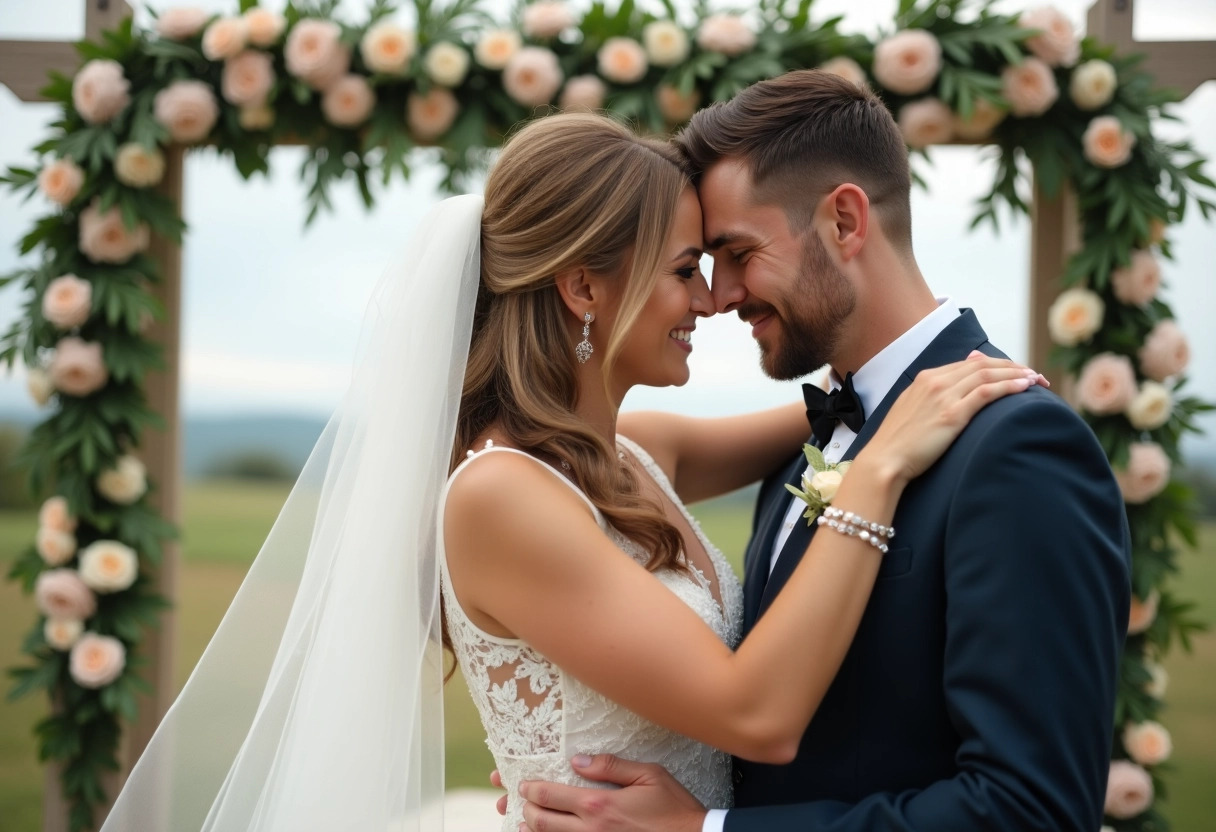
column 780, row 280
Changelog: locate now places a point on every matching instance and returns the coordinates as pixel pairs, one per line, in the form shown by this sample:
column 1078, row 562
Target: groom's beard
column 810, row 318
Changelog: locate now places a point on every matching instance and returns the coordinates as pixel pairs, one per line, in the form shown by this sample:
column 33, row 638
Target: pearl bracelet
column 846, row 522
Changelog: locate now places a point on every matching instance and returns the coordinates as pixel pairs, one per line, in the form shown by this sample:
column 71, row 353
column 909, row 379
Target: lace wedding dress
column 536, row 717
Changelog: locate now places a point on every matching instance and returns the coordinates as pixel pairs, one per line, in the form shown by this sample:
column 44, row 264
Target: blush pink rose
column 583, row 92
column 845, row 68
column 100, row 91
column 984, row 118
column 430, row 116
column 676, row 107
column 546, row 19
column 315, row 54
column 55, row 514
column 1107, row 384
column 1056, row 42
column 1146, row 475
column 225, row 38
column 96, row 661
column 925, row 121
column 62, row 633
column 1137, row 283
column 1129, row 790
column 622, row 60
column 104, row 238
column 1165, row 352
column 1106, row 143
column 1142, row 613
column 60, row 593
column 67, row 301
column 1029, row 87
column 187, row 109
column 387, row 48
column 908, row 61
column 181, row 23
column 348, row 101
column 264, row 26
column 55, row 547
column 78, row 368
column 728, row 34
column 248, row 78
column 1148, row 743
column 532, row 77
column 496, row 47
column 60, row 181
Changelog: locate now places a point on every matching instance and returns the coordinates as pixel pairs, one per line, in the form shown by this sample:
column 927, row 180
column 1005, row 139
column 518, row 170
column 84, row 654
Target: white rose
column 666, row 43
column 1093, row 84
column 1159, row 681
column 138, row 167
column 496, row 48
column 1152, row 406
column 446, row 64
column 1075, row 316
column 67, row 301
column 1055, row 42
column 96, row 661
column 62, row 633
column 39, row 385
column 54, row 546
column 546, row 19
column 125, row 483
column 387, row 48
column 908, row 61
column 1148, row 743
column 825, row 484
column 725, row 33
column 225, row 38
column 108, row 566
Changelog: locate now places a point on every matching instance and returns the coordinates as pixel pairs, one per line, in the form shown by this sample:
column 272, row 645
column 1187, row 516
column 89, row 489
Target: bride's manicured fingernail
column 580, row 761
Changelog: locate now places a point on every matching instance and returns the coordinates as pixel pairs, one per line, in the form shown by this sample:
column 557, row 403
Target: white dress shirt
column 872, row 383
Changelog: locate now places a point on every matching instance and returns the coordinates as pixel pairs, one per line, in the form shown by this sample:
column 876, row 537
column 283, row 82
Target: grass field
column 225, row 522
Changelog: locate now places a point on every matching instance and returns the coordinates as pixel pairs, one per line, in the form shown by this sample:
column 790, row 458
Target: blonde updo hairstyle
column 568, row 191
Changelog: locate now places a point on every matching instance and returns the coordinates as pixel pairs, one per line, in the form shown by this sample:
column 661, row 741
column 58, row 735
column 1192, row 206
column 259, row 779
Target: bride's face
column 657, row 348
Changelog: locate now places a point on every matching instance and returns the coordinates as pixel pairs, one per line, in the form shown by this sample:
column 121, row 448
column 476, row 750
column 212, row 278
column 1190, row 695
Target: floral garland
column 362, row 97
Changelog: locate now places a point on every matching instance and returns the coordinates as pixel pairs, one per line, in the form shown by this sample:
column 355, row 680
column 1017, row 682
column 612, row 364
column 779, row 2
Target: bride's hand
column 929, row 415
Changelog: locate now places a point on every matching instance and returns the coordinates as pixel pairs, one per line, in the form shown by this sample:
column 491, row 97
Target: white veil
column 318, row 703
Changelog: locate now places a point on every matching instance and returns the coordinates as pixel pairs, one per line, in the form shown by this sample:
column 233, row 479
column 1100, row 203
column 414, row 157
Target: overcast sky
column 272, row 310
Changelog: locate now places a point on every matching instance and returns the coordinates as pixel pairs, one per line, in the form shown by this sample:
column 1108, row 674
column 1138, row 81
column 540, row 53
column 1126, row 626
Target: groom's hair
column 801, row 135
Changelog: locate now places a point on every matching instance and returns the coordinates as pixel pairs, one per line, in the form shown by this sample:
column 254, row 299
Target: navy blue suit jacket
column 979, row 692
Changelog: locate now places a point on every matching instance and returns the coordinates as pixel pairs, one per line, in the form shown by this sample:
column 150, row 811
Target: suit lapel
column 759, row 550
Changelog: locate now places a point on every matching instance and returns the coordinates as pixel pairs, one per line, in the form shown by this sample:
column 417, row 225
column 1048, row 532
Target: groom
column 979, row 692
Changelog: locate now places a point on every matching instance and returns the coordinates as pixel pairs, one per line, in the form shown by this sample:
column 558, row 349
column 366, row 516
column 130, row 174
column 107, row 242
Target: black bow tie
column 824, row 410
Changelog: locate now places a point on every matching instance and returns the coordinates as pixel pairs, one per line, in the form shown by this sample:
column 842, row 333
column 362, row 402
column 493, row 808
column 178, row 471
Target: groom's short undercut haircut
column 801, row 135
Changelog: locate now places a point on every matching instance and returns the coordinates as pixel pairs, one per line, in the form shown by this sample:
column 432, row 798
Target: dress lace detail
column 536, row 717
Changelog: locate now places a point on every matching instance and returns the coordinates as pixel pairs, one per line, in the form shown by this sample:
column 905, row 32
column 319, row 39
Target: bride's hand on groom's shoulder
column 649, row 798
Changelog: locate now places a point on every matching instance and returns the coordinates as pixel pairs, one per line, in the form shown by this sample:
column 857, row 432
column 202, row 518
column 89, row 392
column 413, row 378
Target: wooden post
column 1054, row 237
column 1179, row 65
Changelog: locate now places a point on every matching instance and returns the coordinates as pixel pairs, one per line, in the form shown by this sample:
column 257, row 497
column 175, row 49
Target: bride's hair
column 568, row 190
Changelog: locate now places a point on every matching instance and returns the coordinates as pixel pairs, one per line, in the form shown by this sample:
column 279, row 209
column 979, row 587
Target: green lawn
column 225, row 522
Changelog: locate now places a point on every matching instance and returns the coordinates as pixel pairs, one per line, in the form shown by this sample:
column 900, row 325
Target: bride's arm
column 707, row 457
column 527, row 559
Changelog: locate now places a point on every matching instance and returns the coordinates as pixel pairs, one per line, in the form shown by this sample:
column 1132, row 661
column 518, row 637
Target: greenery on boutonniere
column 820, row 482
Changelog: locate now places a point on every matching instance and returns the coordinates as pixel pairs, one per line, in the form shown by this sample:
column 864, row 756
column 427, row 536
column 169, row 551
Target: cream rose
column 1137, row 283
column 1152, row 406
column 248, row 78
column 845, row 68
column 825, row 484
column 984, row 118
column 725, row 33
column 187, row 109
column 1129, row 790
column 59, row 593
column 496, row 48
column 666, row 43
column 125, row 483
column 532, row 77
column 387, row 48
column 225, row 38
column 446, row 64
column 55, row 514
column 1029, row 87
column 622, row 61
column 430, row 116
column 138, row 167
column 1148, row 743
column 100, row 91
column 1146, row 475
column 78, row 368
column 96, row 661
column 62, row 633
column 1142, row 613
column 1075, row 316
column 108, row 566
column 1106, row 143
column 1056, row 42
column 924, row 122
column 1107, row 384
column 1159, row 680
column 1093, row 84
column 181, row 23
column 256, row 117
column 314, row 53
column 908, row 61
column 39, row 385
column 583, row 92
column 104, row 238
column 1165, row 352
column 348, row 101
column 546, row 19
column 675, row 106
column 60, row 181
column 55, row 547
column 264, row 26
column 67, row 301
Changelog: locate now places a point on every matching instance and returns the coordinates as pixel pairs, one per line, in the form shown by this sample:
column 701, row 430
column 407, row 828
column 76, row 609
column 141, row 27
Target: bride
column 479, row 450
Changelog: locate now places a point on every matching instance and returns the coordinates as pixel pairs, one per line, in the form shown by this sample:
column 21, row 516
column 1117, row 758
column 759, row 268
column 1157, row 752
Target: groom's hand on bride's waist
column 649, row 798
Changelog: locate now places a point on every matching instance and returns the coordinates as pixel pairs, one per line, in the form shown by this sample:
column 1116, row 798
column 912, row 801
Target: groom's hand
column 649, row 799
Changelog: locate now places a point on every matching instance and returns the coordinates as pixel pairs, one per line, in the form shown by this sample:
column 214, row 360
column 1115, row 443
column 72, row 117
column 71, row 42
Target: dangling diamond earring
column 583, row 350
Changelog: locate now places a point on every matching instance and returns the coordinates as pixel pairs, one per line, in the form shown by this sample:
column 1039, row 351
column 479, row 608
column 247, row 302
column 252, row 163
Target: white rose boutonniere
column 820, row 482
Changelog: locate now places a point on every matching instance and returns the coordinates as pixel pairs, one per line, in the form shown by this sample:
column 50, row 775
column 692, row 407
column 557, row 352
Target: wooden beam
column 1178, row 65
column 1054, row 237
column 24, row 64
